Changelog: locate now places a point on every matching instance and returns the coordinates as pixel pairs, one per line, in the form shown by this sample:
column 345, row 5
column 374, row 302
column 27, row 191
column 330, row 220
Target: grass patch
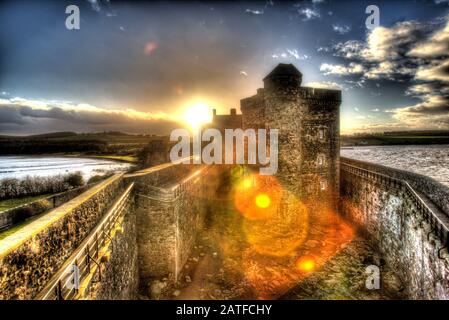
column 17, row 227
column 12, row 203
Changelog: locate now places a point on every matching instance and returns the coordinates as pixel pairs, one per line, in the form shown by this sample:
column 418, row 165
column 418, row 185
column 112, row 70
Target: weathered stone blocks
column 398, row 228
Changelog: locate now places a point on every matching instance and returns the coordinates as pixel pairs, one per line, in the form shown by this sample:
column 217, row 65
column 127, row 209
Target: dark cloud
column 19, row 117
column 406, row 52
column 437, row 106
column 10, row 115
column 436, row 71
column 384, row 54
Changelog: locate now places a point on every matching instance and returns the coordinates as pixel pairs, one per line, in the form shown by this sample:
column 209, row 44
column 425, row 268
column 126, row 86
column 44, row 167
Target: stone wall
column 226, row 121
column 19, row 214
column 152, row 240
column 118, row 263
column 30, row 257
column 435, row 191
column 396, row 224
column 253, row 109
column 168, row 215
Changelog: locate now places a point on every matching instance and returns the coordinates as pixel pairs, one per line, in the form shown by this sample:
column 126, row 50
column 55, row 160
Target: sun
column 197, row 115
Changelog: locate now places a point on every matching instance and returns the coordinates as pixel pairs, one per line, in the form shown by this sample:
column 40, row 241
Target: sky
column 136, row 66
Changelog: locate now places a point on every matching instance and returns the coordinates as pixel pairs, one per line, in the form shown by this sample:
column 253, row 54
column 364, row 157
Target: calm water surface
column 22, row 166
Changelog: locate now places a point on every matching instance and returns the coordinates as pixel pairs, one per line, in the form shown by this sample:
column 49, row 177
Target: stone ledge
column 13, row 241
column 435, row 191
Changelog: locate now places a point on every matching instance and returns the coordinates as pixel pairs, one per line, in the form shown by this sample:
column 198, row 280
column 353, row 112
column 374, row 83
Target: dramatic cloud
column 438, row 72
column 290, row 53
column 384, row 54
column 433, row 113
column 388, row 70
column 432, row 88
column 338, row 69
column 393, row 43
column 408, row 51
column 433, row 110
column 351, row 49
column 437, row 45
column 28, row 116
column 170, row 55
column 433, row 105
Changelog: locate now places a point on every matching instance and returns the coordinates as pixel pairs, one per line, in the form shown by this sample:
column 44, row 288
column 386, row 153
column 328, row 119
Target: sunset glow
column 197, row 115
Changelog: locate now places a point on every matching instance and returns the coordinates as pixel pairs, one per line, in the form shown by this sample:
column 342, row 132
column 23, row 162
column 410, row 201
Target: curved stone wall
column 435, row 191
column 398, row 225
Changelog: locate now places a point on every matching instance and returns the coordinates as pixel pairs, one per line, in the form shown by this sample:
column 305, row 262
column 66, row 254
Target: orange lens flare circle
column 275, row 221
column 306, row 264
column 263, row 201
column 257, row 197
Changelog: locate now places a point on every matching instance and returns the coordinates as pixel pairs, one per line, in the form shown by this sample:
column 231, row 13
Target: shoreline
column 76, row 155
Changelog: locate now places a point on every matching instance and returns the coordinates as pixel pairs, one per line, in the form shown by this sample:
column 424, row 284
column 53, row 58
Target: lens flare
column 263, row 201
column 257, row 197
column 247, row 183
column 275, row 221
column 306, row 264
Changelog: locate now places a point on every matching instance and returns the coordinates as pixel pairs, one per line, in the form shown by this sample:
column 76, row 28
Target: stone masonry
column 308, row 124
column 399, row 228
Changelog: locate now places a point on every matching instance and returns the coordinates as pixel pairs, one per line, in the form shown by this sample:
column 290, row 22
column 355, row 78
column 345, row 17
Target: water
column 22, row 166
column 431, row 160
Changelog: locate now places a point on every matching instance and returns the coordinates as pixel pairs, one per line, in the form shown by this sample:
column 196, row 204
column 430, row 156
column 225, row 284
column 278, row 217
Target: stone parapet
column 29, row 257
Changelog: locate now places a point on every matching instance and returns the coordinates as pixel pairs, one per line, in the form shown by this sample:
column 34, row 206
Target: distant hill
column 65, row 134
column 52, row 135
column 97, row 143
column 397, row 138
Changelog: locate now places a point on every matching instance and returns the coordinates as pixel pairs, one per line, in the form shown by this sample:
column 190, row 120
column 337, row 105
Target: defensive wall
column 406, row 217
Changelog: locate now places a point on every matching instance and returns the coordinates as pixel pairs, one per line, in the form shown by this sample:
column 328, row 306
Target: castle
column 131, row 231
column 308, row 123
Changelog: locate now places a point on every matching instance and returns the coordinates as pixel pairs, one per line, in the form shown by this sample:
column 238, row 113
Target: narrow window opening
column 321, row 160
column 323, row 185
column 321, row 134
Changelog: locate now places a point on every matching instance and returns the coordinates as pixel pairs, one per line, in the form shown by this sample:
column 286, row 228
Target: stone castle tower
column 308, row 124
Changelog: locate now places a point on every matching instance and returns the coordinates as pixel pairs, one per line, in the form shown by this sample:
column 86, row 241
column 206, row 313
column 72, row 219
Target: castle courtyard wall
column 399, row 226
